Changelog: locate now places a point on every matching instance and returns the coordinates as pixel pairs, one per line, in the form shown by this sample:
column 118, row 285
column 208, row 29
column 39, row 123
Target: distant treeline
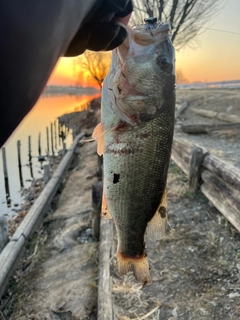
column 233, row 84
column 59, row 90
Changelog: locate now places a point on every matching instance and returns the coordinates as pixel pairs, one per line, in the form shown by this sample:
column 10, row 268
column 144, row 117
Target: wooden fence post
column 47, row 134
column 96, row 204
column 20, row 163
column 105, row 306
column 3, row 232
column 195, row 164
column 59, row 133
column 52, row 139
column 55, row 134
column 64, row 148
column 39, row 144
column 30, row 156
column 46, row 174
column 6, row 182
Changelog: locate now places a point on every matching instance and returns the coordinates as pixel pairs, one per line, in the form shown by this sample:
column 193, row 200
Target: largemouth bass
column 135, row 137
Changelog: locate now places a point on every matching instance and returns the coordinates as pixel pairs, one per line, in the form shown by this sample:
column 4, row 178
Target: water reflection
column 38, row 136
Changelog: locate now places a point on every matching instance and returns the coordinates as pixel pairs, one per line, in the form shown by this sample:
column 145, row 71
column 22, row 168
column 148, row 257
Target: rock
column 234, row 295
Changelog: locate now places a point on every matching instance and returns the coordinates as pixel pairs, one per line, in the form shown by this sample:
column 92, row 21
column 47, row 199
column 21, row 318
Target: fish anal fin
column 105, row 212
column 98, row 135
column 139, row 266
column 156, row 227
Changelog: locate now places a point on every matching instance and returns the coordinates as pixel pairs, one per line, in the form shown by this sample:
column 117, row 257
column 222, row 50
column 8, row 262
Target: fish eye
column 165, row 64
column 164, row 61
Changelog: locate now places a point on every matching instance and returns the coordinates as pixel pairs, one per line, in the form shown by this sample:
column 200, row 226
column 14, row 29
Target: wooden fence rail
column 11, row 253
column 218, row 180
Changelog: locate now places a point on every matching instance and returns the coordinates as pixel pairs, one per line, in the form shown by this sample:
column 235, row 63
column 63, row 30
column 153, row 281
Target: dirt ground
column 58, row 279
column 195, row 268
column 224, row 144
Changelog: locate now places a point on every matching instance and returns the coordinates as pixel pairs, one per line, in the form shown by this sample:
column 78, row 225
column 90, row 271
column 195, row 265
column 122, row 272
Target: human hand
column 102, row 31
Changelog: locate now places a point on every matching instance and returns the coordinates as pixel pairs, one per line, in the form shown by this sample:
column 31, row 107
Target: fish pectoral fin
column 139, row 266
column 105, row 212
column 156, row 227
column 98, row 135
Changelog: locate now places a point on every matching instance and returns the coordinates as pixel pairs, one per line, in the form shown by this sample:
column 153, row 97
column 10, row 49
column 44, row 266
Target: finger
column 128, row 10
column 124, row 20
column 103, row 35
column 118, row 40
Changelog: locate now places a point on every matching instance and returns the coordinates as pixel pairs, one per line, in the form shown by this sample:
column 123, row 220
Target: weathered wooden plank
column 105, row 307
column 223, row 170
column 222, row 197
column 181, row 154
column 221, row 116
column 228, row 117
column 180, row 109
column 205, row 113
column 221, row 183
column 36, row 213
column 206, row 128
column 178, row 159
column 183, row 145
column 12, row 251
column 230, row 194
column 8, row 258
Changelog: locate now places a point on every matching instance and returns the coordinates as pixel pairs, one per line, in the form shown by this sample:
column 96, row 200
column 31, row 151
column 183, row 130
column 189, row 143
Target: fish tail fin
column 156, row 227
column 139, row 266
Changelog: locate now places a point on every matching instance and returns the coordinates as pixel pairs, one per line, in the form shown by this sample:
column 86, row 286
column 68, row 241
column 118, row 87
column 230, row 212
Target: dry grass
column 131, row 302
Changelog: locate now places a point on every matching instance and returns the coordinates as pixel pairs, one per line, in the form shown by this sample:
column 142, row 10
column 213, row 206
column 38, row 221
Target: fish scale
column 135, row 137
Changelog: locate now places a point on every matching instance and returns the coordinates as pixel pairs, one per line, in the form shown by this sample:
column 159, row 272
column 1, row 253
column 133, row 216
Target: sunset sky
column 215, row 55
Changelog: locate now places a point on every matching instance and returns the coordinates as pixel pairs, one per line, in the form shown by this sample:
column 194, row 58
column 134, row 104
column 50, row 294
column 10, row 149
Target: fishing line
column 219, row 30
column 226, row 31
column 102, row 134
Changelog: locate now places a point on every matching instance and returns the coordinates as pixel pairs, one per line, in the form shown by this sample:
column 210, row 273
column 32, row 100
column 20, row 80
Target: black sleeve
column 34, row 34
column 101, row 32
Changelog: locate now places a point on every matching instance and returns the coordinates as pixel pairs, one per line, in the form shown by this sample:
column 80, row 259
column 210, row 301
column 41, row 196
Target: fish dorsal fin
column 98, row 135
column 105, row 212
column 157, row 225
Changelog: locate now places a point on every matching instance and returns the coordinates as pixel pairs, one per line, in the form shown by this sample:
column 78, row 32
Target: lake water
column 46, row 111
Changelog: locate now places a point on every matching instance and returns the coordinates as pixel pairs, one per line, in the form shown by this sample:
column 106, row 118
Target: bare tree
column 187, row 17
column 181, row 79
column 93, row 66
